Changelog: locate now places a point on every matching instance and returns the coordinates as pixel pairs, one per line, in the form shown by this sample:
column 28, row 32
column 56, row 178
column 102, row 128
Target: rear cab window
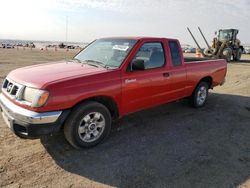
column 175, row 53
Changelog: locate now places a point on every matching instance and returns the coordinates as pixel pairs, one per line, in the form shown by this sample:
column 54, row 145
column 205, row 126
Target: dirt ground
column 172, row 145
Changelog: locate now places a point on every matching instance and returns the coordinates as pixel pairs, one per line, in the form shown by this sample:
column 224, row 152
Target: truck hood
column 38, row 76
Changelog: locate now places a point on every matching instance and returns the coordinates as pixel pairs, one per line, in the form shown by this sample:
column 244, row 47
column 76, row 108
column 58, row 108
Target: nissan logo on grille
column 9, row 87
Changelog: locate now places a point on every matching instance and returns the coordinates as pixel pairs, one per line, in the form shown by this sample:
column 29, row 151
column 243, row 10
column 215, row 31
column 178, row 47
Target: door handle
column 130, row 80
column 166, row 74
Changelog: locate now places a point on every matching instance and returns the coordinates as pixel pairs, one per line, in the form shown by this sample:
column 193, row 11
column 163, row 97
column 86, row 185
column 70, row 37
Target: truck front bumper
column 29, row 124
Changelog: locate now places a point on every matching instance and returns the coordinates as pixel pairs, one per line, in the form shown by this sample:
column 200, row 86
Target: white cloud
column 160, row 5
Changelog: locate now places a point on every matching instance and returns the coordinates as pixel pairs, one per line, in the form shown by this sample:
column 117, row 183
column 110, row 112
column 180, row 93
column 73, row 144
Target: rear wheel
column 87, row 125
column 199, row 96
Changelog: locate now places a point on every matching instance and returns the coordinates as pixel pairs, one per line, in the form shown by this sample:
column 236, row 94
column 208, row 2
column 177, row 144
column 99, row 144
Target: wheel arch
column 208, row 80
column 107, row 101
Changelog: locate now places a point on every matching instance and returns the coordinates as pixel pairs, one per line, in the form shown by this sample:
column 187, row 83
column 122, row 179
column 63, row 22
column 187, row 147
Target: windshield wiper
column 84, row 62
column 75, row 59
column 98, row 63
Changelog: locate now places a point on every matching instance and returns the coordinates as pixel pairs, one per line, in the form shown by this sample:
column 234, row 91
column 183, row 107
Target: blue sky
column 91, row 19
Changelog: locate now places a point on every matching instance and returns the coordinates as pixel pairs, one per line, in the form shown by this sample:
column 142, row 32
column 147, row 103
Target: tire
column 238, row 55
column 227, row 54
column 209, row 52
column 199, row 96
column 87, row 125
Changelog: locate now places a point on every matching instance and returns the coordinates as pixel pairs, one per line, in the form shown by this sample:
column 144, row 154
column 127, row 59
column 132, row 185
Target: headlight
column 35, row 97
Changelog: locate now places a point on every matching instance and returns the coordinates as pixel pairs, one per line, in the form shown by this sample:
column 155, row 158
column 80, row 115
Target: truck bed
column 202, row 67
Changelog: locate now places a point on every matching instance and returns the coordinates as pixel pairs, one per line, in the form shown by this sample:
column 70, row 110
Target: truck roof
column 136, row 38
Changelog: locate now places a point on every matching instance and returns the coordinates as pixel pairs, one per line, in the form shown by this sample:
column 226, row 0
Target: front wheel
column 87, row 125
column 238, row 55
column 199, row 96
column 227, row 54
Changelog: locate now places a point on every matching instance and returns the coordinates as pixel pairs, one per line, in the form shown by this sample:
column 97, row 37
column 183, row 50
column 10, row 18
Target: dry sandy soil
column 172, row 145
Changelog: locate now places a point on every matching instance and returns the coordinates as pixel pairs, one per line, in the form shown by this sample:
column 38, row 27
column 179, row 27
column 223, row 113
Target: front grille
column 11, row 88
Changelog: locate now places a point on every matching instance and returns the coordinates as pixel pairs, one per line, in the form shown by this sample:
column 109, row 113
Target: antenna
column 66, row 29
column 66, row 37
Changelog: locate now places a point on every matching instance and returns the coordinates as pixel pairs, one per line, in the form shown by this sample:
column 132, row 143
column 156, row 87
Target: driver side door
column 145, row 88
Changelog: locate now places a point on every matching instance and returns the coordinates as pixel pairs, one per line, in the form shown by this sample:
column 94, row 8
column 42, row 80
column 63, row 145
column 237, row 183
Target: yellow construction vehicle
column 225, row 45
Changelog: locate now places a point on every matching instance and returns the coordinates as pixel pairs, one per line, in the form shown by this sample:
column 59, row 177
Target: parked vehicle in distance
column 247, row 50
column 51, row 46
column 61, row 45
column 29, row 45
column 109, row 79
column 184, row 47
column 7, row 45
column 70, row 47
column 32, row 45
column 190, row 50
column 19, row 44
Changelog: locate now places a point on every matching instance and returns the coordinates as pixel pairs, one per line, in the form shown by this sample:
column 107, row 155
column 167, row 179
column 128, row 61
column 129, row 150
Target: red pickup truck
column 110, row 78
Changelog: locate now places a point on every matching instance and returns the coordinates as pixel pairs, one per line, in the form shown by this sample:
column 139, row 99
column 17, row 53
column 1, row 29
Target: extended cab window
column 152, row 54
column 175, row 53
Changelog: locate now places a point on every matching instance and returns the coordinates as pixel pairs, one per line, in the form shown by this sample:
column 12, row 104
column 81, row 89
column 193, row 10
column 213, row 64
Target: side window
column 175, row 53
column 152, row 54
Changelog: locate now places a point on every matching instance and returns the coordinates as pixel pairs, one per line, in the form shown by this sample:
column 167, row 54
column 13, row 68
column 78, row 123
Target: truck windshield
column 106, row 52
column 225, row 35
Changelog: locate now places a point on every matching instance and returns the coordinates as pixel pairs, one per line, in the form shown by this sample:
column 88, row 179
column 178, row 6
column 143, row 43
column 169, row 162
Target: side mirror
column 138, row 64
